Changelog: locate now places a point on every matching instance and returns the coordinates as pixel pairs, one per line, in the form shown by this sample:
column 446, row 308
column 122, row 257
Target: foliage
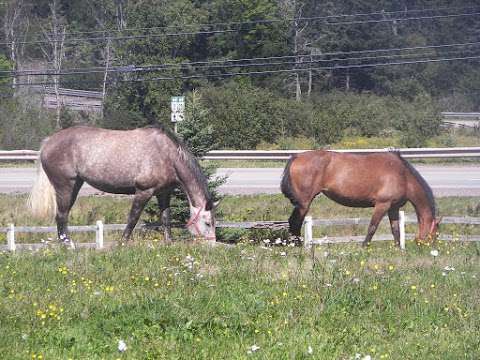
column 196, row 132
column 23, row 123
column 418, row 121
column 182, row 54
column 243, row 116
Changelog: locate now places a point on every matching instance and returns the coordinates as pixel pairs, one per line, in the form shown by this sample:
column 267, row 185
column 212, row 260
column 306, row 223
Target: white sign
column 178, row 108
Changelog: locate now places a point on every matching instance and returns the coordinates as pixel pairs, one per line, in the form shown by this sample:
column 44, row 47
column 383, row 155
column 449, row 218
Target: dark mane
column 187, row 158
column 421, row 181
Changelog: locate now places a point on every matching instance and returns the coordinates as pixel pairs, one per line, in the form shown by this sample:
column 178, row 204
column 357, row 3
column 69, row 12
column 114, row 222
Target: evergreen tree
column 198, row 135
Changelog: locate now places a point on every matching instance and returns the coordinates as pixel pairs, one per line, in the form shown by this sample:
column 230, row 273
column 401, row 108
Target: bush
column 243, row 116
column 419, row 121
column 359, row 114
column 24, row 123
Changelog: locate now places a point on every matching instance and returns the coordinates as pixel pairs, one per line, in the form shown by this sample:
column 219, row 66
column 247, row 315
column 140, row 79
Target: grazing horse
column 384, row 181
column 143, row 162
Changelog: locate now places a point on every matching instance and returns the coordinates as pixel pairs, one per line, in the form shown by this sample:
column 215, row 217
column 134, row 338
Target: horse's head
column 202, row 221
column 431, row 235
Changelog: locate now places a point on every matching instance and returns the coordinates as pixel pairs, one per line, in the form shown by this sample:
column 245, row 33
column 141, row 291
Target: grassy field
column 186, row 301
column 194, row 302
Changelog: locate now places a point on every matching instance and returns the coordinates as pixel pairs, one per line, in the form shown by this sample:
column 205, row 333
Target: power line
column 278, row 71
column 267, row 21
column 180, row 66
column 213, row 32
column 240, row 62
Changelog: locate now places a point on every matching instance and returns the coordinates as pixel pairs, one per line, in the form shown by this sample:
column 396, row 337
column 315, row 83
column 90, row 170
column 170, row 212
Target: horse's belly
column 351, row 201
column 112, row 188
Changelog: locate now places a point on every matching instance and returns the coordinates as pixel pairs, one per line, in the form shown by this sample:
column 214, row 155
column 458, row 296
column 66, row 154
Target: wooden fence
column 99, row 228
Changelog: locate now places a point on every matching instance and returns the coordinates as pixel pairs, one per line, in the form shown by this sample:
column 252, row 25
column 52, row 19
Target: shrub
column 419, row 121
column 24, row 123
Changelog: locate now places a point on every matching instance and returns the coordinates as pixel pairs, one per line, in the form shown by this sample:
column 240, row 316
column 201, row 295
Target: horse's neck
column 193, row 187
column 423, row 208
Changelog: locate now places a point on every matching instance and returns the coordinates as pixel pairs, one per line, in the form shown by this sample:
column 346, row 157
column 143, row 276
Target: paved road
column 444, row 180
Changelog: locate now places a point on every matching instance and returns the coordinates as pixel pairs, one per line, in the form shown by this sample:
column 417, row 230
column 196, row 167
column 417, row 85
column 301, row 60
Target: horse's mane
column 423, row 183
column 187, row 158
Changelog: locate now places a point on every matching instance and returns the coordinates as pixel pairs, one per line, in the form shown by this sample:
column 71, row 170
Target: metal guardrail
column 456, row 152
column 18, row 155
column 460, row 115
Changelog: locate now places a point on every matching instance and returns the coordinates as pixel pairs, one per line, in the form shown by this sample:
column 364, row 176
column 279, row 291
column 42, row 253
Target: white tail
column 42, row 201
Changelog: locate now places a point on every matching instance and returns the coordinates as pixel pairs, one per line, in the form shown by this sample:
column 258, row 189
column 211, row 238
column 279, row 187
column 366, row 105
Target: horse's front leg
column 164, row 208
column 379, row 212
column 393, row 216
column 140, row 199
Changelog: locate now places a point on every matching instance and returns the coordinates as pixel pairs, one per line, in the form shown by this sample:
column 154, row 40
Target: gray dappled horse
column 143, row 162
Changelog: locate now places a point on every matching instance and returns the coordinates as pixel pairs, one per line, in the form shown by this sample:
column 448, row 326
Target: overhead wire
column 240, row 62
column 213, row 32
column 277, row 71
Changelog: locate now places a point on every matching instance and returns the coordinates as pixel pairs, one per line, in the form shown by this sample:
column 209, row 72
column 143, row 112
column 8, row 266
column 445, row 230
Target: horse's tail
column 286, row 184
column 42, row 201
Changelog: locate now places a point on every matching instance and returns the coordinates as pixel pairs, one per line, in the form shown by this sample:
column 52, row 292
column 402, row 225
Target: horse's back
column 109, row 159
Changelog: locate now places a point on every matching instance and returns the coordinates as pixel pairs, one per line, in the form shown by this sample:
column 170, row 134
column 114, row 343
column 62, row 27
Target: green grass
column 339, row 301
column 59, row 304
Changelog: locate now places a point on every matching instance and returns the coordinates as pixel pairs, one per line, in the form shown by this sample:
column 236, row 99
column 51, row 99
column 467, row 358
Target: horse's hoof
column 69, row 244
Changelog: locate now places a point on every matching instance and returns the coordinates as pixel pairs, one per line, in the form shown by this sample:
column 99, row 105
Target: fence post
column 11, row 237
column 401, row 224
column 99, row 235
column 308, row 238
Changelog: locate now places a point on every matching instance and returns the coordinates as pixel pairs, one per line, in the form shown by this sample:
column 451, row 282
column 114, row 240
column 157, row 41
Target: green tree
column 197, row 134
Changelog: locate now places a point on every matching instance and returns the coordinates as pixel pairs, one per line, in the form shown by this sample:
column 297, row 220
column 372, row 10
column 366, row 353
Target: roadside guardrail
column 455, row 152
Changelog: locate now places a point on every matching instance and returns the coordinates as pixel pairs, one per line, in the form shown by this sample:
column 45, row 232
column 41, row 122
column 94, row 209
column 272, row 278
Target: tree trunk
column 105, row 74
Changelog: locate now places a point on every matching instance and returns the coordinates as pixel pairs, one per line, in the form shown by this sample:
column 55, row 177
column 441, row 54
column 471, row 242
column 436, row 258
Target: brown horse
column 384, row 181
column 143, row 162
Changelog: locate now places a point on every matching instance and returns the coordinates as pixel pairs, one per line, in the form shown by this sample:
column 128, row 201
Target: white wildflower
column 283, row 253
column 122, row 346
column 434, row 252
column 253, row 349
column 310, row 350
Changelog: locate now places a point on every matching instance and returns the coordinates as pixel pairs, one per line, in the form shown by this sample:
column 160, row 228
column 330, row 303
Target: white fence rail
column 11, row 230
column 456, row 152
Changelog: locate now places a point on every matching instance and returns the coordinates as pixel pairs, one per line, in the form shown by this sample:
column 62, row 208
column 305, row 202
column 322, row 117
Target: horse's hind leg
column 379, row 212
column 164, row 207
column 296, row 219
column 139, row 201
column 393, row 216
column 66, row 194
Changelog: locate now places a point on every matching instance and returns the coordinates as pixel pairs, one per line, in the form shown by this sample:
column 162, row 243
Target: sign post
column 178, row 110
